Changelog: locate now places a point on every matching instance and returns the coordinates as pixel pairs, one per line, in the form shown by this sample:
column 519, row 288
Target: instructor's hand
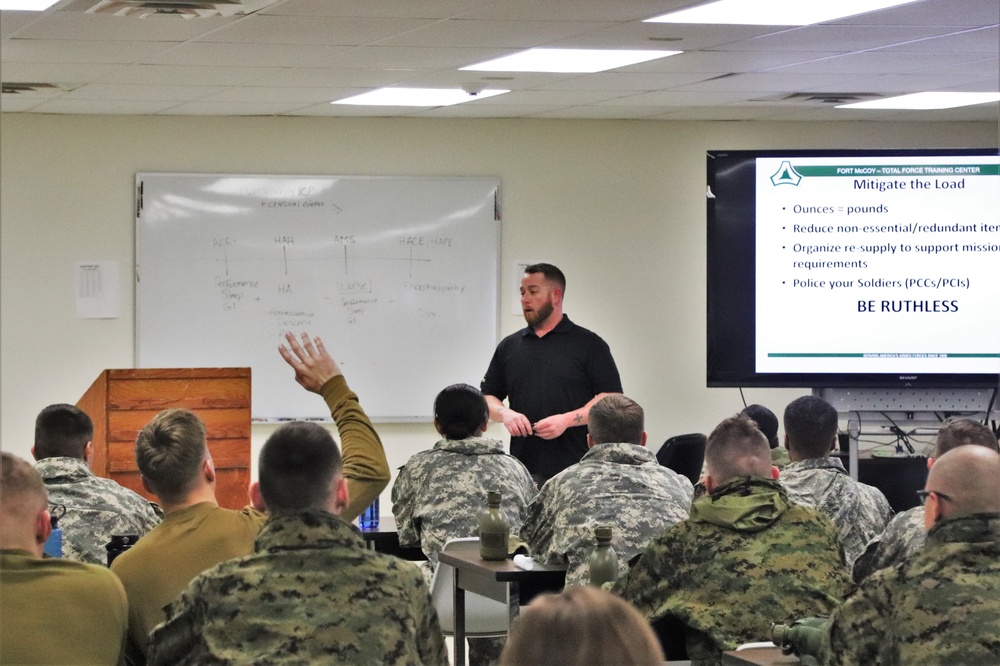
column 551, row 426
column 517, row 424
column 312, row 364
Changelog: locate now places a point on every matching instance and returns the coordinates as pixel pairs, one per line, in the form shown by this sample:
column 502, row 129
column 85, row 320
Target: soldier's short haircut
column 969, row 476
column 737, row 448
column 169, row 452
column 296, row 467
column 62, row 431
column 811, row 426
column 22, row 491
column 766, row 422
column 615, row 418
column 460, row 411
column 551, row 273
column 959, row 432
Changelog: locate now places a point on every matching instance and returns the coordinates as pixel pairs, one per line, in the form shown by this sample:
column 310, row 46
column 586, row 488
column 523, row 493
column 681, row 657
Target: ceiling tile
column 119, row 92
column 240, row 55
column 73, row 51
column 425, row 9
column 502, row 34
column 199, row 76
column 101, row 27
column 312, row 30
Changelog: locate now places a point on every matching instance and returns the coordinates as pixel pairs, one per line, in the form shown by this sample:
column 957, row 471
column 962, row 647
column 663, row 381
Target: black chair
column 684, row 454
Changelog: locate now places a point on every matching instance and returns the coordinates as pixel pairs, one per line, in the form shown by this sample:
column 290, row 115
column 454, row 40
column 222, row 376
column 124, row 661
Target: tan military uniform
column 310, row 593
column 55, row 611
column 158, row 568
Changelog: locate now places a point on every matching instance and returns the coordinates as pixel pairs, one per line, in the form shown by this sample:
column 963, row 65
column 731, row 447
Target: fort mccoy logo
column 786, row 175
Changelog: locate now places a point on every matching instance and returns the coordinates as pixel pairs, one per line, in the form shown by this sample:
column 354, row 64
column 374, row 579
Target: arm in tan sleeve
column 365, row 466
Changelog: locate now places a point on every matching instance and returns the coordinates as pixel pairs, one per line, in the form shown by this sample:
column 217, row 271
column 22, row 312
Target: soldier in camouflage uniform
column 96, row 508
column 440, row 493
column 942, row 606
column 618, row 482
column 904, row 535
column 745, row 558
column 311, row 592
column 815, row 479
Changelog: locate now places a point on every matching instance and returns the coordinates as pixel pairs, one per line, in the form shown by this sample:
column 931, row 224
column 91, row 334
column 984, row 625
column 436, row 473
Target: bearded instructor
column 551, row 372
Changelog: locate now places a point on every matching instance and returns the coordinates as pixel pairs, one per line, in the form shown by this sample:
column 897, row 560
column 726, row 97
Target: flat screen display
column 854, row 268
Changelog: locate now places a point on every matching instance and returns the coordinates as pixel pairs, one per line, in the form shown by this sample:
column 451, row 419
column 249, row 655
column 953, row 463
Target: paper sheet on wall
column 98, row 293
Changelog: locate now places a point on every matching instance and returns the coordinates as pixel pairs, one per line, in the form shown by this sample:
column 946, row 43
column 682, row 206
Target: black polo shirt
column 554, row 374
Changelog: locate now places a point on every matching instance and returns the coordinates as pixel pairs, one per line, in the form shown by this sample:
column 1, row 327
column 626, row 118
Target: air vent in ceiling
column 168, row 8
column 820, row 97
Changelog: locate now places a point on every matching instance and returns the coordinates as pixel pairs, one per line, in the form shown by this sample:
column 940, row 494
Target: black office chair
column 684, row 454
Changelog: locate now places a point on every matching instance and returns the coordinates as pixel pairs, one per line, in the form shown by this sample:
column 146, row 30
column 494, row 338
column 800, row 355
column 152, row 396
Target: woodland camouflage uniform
column 617, row 484
column 903, row 537
column 859, row 511
column 96, row 508
column 310, row 593
column 746, row 558
column 940, row 607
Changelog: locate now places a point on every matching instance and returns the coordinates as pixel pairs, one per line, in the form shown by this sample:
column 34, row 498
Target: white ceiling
column 295, row 56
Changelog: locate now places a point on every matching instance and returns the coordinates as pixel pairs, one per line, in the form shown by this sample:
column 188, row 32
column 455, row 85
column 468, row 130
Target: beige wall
column 618, row 205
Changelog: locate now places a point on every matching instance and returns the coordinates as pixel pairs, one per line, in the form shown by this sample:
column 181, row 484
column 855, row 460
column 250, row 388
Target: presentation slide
column 878, row 265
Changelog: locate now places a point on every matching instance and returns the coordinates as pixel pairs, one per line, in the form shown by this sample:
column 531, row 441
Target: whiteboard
column 398, row 276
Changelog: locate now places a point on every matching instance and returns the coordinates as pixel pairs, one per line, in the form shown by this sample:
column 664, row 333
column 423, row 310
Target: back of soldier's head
column 297, row 466
column 62, row 431
column 460, row 411
column 22, row 497
column 615, row 418
column 170, row 451
column 969, row 477
column 960, row 432
column 766, row 422
column 810, row 426
column 737, row 448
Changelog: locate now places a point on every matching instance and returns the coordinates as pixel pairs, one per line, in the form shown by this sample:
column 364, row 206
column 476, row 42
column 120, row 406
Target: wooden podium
column 121, row 402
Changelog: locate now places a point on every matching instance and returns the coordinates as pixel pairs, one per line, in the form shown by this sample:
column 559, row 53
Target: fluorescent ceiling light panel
column 417, row 97
column 774, row 12
column 585, row 61
column 26, row 5
column 927, row 100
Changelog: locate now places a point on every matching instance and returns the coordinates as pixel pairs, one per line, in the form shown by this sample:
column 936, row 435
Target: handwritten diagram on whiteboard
column 397, row 275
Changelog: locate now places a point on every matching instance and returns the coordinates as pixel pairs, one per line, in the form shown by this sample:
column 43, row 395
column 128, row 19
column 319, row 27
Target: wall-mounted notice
column 399, row 276
column 875, row 264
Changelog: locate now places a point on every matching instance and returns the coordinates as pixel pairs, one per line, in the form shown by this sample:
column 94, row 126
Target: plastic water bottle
column 369, row 519
column 53, row 545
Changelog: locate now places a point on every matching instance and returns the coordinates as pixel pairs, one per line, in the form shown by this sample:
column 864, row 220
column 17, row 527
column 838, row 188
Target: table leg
column 513, row 604
column 458, row 607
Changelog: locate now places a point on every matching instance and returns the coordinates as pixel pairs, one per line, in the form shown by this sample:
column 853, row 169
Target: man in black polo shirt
column 552, row 371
